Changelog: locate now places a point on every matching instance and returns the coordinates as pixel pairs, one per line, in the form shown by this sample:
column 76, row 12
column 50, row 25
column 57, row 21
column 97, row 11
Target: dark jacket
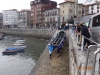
column 78, row 28
column 85, row 32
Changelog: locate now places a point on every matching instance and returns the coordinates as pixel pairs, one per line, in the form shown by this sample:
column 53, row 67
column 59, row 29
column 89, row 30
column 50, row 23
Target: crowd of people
column 81, row 29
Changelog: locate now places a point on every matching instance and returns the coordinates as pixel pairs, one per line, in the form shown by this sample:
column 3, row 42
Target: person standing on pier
column 85, row 33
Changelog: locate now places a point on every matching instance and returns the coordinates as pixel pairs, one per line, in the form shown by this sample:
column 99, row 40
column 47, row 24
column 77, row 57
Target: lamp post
column 58, row 21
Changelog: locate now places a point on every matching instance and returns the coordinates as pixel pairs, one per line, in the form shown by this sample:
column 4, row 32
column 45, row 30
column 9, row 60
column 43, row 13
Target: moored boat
column 21, row 46
column 20, row 40
column 18, row 44
column 10, row 51
column 20, row 49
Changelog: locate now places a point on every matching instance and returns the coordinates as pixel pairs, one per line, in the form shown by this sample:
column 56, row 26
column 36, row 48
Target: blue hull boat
column 9, row 52
column 57, row 41
column 13, row 50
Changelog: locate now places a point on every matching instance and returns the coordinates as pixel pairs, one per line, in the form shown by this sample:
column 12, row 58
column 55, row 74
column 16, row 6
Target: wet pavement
column 57, row 65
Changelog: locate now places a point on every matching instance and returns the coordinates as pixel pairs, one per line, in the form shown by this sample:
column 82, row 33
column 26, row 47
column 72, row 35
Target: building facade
column 10, row 18
column 1, row 20
column 92, row 8
column 38, row 8
column 68, row 10
column 24, row 19
column 71, row 1
column 52, row 18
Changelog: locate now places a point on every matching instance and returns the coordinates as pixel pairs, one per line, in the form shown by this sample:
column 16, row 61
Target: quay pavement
column 54, row 66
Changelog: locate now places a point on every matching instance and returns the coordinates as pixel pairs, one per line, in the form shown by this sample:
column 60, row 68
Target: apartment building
column 92, row 8
column 71, row 1
column 38, row 8
column 24, row 19
column 52, row 17
column 68, row 10
column 10, row 18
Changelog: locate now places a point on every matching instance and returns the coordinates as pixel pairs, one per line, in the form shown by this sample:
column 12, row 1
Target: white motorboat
column 18, row 44
column 20, row 41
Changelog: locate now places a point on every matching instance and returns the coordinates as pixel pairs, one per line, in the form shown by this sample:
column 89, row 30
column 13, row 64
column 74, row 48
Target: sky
column 20, row 4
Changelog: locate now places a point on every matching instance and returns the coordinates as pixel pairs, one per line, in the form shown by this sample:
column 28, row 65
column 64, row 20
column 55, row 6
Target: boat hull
column 9, row 53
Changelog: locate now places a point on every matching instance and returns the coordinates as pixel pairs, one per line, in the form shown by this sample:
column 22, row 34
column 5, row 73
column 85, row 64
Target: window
column 48, row 13
column 63, row 19
column 63, row 11
column 55, row 12
column 53, row 19
column 70, row 11
column 79, row 12
column 96, row 21
column 50, row 19
column 80, row 7
column 97, row 11
column 91, row 12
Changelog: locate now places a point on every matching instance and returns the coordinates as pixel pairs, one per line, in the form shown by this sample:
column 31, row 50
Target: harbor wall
column 39, row 33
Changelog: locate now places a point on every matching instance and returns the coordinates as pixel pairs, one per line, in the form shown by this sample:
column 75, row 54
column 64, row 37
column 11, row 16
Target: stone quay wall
column 77, row 58
column 39, row 33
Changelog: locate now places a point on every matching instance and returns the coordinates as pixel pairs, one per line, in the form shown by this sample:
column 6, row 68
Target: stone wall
column 40, row 33
column 77, row 58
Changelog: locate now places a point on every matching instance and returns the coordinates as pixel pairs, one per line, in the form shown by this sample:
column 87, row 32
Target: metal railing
column 95, row 55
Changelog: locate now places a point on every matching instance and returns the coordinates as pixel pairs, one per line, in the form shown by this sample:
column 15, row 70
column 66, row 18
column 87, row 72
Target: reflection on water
column 22, row 63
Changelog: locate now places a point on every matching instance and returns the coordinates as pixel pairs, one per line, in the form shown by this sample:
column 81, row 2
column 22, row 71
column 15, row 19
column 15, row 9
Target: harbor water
column 22, row 63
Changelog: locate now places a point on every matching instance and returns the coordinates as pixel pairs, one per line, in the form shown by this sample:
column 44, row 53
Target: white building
column 10, row 18
column 68, row 11
column 52, row 17
column 92, row 8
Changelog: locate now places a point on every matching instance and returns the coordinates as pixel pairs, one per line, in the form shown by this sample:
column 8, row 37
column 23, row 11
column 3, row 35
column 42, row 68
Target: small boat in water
column 20, row 40
column 10, row 51
column 13, row 50
column 20, row 49
column 18, row 44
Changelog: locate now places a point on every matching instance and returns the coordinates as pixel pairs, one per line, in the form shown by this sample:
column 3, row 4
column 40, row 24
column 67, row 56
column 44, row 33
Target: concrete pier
column 57, row 65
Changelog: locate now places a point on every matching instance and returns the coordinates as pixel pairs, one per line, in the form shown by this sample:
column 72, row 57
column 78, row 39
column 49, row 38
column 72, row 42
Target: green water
column 22, row 63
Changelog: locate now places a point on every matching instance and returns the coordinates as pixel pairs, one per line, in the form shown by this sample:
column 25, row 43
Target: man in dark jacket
column 85, row 32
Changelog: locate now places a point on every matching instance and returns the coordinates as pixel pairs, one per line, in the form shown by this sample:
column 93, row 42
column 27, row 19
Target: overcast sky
column 20, row 4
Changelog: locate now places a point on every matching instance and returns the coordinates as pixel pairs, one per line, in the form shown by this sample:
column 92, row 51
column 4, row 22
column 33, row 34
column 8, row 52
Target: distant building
column 24, row 19
column 92, row 8
column 10, row 18
column 1, row 20
column 68, row 10
column 71, row 1
column 52, row 17
column 38, row 8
